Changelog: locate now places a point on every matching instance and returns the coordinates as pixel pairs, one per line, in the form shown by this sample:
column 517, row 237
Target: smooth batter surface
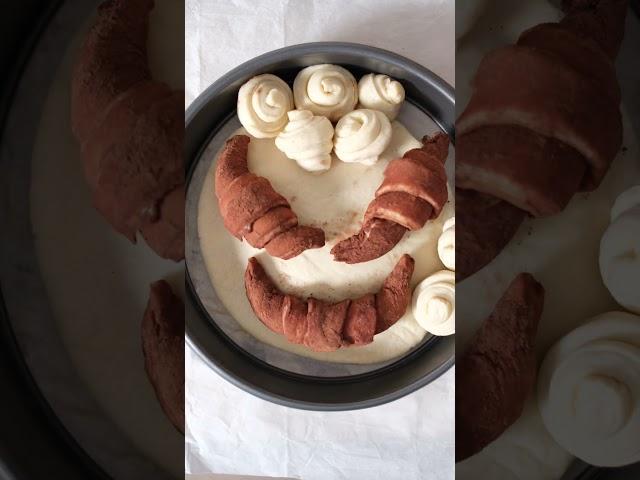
column 334, row 201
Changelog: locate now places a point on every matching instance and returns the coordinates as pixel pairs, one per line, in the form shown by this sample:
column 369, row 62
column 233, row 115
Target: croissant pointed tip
column 436, row 144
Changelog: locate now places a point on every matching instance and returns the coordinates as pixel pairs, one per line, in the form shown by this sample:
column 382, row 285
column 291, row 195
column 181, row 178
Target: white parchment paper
column 230, row 431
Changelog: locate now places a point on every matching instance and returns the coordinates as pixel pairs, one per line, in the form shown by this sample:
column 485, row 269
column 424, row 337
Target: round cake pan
column 205, row 116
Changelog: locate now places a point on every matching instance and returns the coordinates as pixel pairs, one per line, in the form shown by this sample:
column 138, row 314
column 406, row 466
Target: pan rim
column 196, row 328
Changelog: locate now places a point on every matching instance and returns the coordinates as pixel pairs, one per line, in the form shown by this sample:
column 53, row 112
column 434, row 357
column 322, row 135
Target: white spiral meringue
column 447, row 244
column 434, row 303
column 308, row 140
column 380, row 92
column 263, row 103
column 327, row 90
column 589, row 390
column 620, row 251
column 361, row 136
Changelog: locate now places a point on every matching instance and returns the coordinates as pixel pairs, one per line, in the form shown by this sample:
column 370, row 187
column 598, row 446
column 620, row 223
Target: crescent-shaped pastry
column 414, row 190
column 253, row 210
column 322, row 326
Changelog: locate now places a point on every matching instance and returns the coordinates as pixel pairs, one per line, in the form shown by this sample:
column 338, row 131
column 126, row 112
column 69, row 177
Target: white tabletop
column 232, row 432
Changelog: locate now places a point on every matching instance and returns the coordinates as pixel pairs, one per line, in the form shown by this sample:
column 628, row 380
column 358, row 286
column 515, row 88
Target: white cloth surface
column 222, row 34
column 230, row 431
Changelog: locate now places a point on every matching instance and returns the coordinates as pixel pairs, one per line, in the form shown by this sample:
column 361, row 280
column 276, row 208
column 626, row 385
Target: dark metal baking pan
column 208, row 113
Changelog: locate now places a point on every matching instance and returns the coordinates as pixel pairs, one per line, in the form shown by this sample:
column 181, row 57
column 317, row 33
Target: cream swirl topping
column 589, row 390
column 447, row 244
column 361, row 136
column 327, row 90
column 263, row 103
column 307, row 139
column 620, row 251
column 433, row 303
column 380, row 92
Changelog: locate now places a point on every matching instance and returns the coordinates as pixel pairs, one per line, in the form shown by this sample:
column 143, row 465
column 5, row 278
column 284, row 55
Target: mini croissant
column 414, row 190
column 325, row 327
column 253, row 210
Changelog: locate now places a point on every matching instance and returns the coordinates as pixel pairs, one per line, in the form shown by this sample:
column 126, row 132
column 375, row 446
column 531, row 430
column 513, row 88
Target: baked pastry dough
column 307, row 139
column 414, row 190
column 497, row 372
column 382, row 93
column 263, row 103
column 543, row 123
column 327, row 90
column 253, row 210
column 325, row 327
column 162, row 335
column 130, row 130
column 361, row 136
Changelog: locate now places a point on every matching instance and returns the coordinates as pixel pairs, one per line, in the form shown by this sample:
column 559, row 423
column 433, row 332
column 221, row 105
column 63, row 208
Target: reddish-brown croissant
column 253, row 210
column 130, row 130
column 163, row 348
column 414, row 190
column 542, row 124
column 497, row 372
column 325, row 327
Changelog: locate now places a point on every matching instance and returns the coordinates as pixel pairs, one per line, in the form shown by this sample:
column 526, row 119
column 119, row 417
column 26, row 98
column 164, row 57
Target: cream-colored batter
column 335, row 201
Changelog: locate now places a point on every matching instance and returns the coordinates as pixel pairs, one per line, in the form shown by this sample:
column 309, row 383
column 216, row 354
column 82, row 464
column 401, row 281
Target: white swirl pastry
column 434, row 303
column 263, row 103
column 308, row 140
column 447, row 244
column 361, row 136
column 589, row 390
column 620, row 251
column 327, row 90
column 379, row 92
